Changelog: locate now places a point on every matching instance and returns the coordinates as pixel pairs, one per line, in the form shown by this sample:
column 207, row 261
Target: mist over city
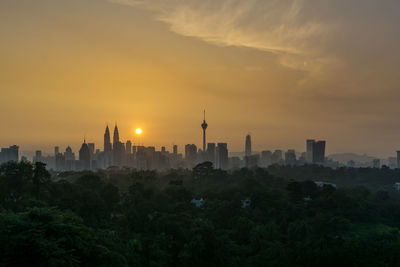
column 199, row 133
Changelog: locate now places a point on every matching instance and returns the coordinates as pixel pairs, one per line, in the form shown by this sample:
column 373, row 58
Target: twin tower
column 114, row 152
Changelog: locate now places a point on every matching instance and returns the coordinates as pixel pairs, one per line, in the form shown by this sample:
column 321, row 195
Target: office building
column 398, row 159
column 266, row 158
column 319, row 152
column 221, row 161
column 84, row 156
column 247, row 149
column 290, row 157
column 309, row 150
column 277, row 157
column 9, row 154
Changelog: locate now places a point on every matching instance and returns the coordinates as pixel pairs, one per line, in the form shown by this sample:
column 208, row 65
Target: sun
column 138, row 131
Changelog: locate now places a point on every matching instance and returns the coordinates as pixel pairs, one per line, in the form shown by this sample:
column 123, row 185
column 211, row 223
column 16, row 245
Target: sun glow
column 138, row 131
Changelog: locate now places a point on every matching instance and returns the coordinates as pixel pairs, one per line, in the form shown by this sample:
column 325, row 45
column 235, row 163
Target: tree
column 40, row 177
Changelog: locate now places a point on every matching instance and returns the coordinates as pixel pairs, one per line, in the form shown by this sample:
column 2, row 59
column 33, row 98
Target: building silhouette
column 252, row 161
column 277, row 157
column 319, row 152
column 204, row 126
column 398, row 159
column 247, row 149
column 118, row 149
column 266, row 157
column 290, row 157
column 309, row 150
column 84, row 156
column 9, row 154
column 222, row 160
column 211, row 150
column 190, row 155
column 107, row 148
column 128, row 147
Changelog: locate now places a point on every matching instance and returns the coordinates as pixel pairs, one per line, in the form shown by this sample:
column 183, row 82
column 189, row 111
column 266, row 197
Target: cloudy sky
column 282, row 70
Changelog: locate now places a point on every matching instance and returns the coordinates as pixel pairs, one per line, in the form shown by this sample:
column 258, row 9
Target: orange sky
column 283, row 71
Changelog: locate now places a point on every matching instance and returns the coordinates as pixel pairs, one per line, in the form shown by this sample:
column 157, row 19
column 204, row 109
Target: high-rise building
column 211, row 150
column 266, row 158
column 222, row 159
column 56, row 150
column 9, row 154
column 309, row 150
column 252, row 161
column 128, row 147
column 118, row 149
column 107, row 148
column 60, row 162
column 116, row 135
column 69, row 155
column 107, row 140
column 204, row 126
column 190, row 155
column 290, row 157
column 277, row 157
column 247, row 149
column 398, row 159
column 319, row 152
column 84, row 156
column 91, row 149
column 175, row 150
column 38, row 156
column 376, row 163
column 119, row 154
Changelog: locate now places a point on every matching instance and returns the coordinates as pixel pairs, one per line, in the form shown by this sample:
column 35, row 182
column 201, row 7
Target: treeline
column 145, row 218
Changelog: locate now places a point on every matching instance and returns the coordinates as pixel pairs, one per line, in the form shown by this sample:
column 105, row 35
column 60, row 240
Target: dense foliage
column 248, row 217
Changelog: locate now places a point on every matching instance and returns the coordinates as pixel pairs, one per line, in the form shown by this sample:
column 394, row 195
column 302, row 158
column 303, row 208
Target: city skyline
column 284, row 70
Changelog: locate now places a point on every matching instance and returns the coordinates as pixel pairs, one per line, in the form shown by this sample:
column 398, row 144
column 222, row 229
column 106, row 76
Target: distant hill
column 346, row 157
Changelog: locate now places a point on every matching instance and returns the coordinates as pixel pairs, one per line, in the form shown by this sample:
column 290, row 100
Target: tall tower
column 116, row 136
column 204, row 126
column 107, row 140
column 247, row 149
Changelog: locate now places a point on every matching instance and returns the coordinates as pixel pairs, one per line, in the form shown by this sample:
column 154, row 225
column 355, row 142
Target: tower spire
column 204, row 126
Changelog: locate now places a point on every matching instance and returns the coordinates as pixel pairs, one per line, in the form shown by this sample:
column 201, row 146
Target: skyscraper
column 276, row 157
column 309, row 149
column 38, row 156
column 190, row 154
column 84, row 156
column 116, row 136
column 128, row 146
column 266, row 158
column 222, row 156
column 9, row 154
column 91, row 148
column 247, row 149
column 290, row 157
column 319, row 152
column 211, row 149
column 107, row 140
column 204, row 126
column 107, row 148
column 398, row 159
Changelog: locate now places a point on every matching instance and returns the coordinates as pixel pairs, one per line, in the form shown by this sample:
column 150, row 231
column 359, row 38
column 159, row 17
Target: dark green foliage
column 145, row 218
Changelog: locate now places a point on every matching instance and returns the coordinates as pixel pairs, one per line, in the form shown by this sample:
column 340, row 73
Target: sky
column 281, row 70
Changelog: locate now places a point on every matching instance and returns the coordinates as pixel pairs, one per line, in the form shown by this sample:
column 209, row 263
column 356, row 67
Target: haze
column 283, row 70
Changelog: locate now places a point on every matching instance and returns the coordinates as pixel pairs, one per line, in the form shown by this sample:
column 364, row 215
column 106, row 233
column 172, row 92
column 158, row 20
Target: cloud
column 325, row 39
column 268, row 25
